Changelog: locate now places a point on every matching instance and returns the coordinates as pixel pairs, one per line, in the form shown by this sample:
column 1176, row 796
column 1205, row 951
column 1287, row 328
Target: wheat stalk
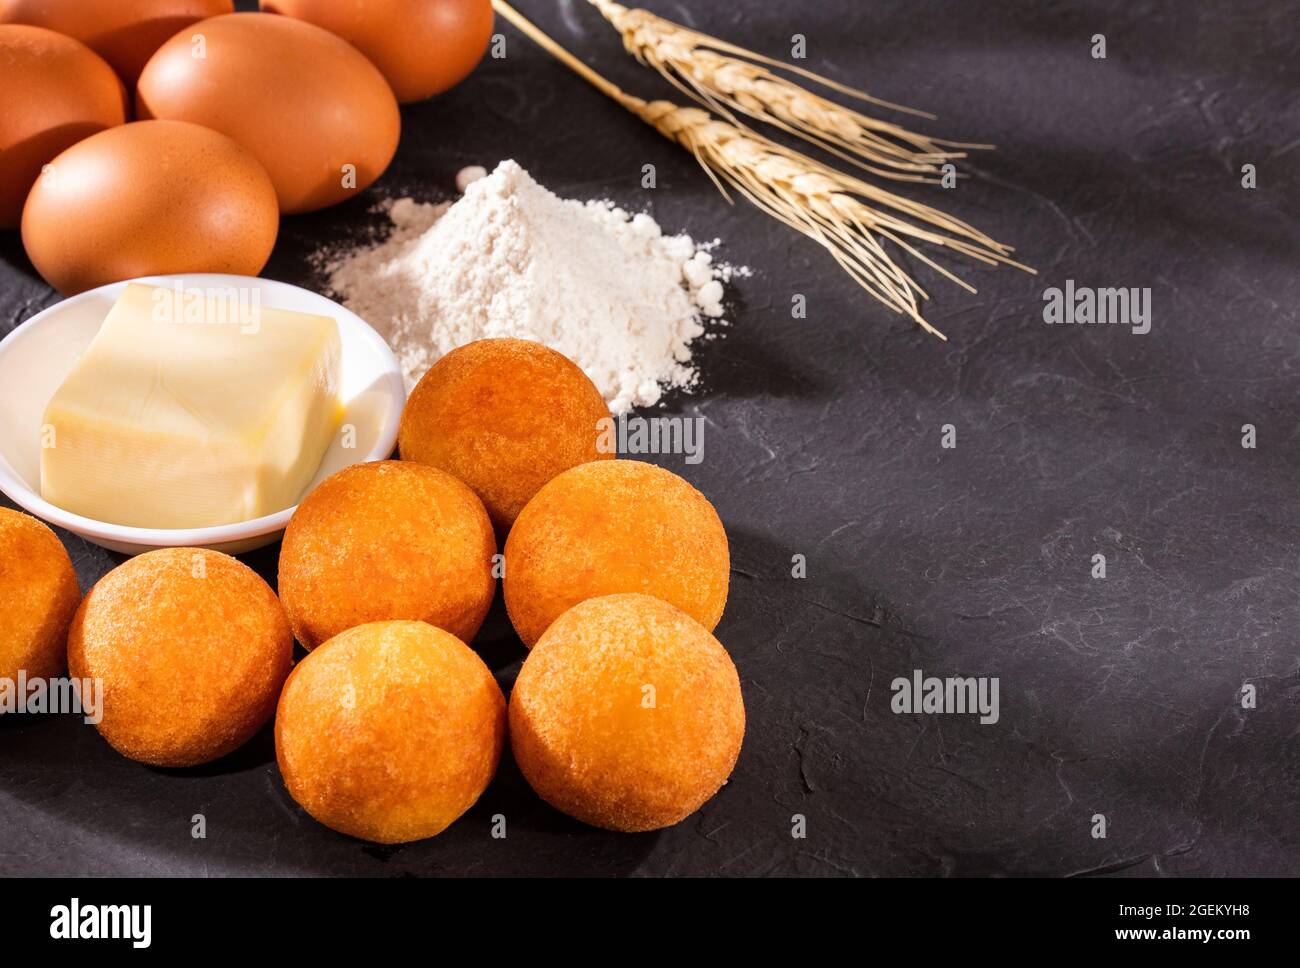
column 728, row 79
column 824, row 204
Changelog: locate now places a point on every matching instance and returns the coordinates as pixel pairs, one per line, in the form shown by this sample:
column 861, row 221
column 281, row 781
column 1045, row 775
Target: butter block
column 192, row 409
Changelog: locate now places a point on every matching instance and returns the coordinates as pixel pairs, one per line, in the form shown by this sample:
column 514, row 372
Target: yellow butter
column 192, row 408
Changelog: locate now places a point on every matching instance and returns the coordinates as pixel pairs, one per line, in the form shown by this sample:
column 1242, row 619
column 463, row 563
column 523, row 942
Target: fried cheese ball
column 627, row 714
column 192, row 648
column 615, row 526
column 389, row 731
column 387, row 540
column 38, row 597
column 505, row 416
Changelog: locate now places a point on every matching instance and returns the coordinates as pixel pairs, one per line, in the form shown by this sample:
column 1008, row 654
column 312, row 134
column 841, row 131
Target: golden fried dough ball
column 627, row 714
column 387, row 540
column 38, row 597
column 389, row 731
column 505, row 416
column 615, row 526
column 192, row 648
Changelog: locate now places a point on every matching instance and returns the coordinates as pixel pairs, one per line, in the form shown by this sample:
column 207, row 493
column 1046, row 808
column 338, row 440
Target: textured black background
column 822, row 438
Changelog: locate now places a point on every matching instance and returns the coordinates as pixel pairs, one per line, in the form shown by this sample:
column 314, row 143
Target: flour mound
column 604, row 287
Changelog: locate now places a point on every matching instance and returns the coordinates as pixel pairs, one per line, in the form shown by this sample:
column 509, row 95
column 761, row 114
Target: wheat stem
column 846, row 215
column 730, row 80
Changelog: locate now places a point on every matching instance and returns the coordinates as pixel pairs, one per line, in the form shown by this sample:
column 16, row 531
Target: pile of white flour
column 607, row 289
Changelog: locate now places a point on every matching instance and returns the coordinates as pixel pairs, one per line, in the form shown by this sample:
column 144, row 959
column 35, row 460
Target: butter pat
column 189, row 410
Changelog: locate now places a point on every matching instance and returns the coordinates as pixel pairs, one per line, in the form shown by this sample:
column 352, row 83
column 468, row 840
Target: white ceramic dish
column 37, row 356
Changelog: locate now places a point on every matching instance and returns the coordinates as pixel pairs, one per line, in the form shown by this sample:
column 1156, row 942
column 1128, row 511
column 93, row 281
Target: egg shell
column 56, row 92
column 423, row 47
column 124, row 32
column 318, row 116
column 149, row 198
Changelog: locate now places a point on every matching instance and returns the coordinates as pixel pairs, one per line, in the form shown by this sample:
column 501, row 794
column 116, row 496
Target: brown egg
column 505, row 416
column 124, row 32
column 318, row 116
column 56, row 92
column 192, row 649
column 627, row 715
column 423, row 47
column 615, row 526
column 390, row 731
column 149, row 198
column 38, row 597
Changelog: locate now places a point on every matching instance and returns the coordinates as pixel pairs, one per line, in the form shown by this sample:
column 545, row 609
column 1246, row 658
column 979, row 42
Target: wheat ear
column 810, row 197
column 728, row 80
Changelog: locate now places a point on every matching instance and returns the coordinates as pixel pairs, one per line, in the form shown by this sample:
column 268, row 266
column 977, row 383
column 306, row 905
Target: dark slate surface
column 1119, row 696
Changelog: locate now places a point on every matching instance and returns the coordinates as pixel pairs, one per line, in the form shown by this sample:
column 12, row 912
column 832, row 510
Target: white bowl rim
column 17, row 490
